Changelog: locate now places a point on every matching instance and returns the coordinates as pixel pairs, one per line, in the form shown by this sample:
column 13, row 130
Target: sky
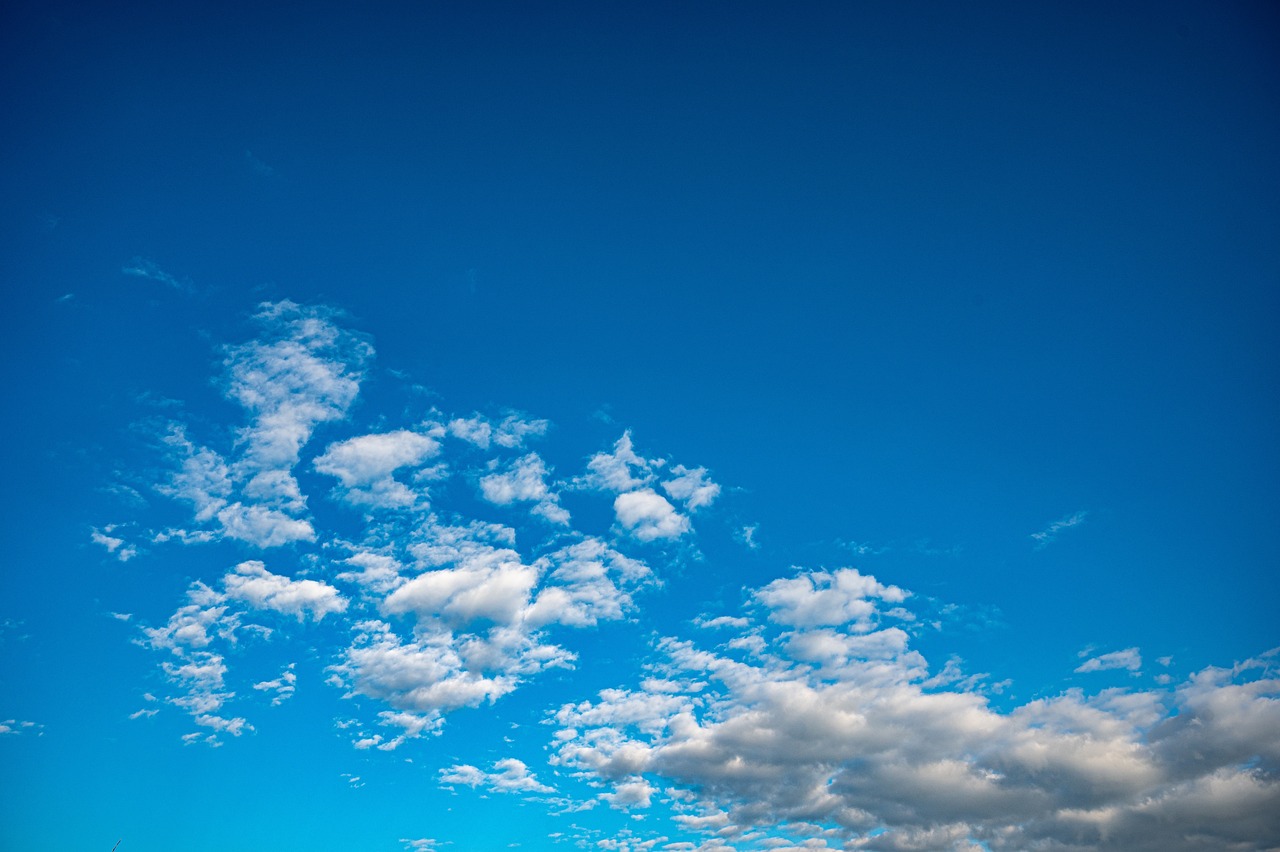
column 625, row 426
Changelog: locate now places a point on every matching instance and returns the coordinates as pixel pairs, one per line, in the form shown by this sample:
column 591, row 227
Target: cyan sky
column 396, row 399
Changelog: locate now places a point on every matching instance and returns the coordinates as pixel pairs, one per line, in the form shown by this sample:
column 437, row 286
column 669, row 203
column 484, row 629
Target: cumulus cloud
column 443, row 609
column 1129, row 659
column 621, row 470
column 253, row 583
column 820, row 598
column 511, row 432
column 365, row 466
column 831, row 726
column 302, row 371
column 691, row 486
column 508, row 776
column 809, row 721
column 648, row 515
column 523, row 481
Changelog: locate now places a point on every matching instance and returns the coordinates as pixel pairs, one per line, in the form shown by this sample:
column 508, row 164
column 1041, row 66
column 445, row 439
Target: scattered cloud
column 510, row 432
column 14, row 727
column 116, row 546
column 807, row 721
column 283, row 686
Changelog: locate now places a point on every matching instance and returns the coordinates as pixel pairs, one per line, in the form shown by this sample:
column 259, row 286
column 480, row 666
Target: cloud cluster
column 197, row 635
column 303, row 371
column 442, row 607
column 638, row 507
column 455, row 573
column 829, row 719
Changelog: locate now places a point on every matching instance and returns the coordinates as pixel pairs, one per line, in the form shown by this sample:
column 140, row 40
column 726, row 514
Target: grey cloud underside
column 832, row 719
column 807, row 721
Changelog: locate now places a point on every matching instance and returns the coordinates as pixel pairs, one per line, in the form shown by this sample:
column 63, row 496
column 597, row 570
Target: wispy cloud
column 142, row 267
column 258, row 166
column 1049, row 533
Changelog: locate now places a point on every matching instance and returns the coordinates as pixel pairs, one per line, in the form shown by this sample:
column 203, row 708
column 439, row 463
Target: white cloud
column 648, row 515
column 508, row 776
column 263, row 526
column 379, row 573
column 523, row 480
column 11, row 727
column 365, row 466
column 118, row 547
column 621, row 470
column 283, row 686
column 1050, row 532
column 302, row 372
column 827, row 599
column 421, row 844
column 493, row 586
column 838, row 729
column 692, row 486
column 253, row 583
column 511, row 432
column 1129, row 659
column 141, row 267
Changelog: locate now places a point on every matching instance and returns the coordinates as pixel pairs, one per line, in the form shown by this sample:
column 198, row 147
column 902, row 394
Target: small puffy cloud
column 621, row 470
column 648, row 515
column 264, row 527
column 827, row 599
column 378, row 572
column 511, row 432
column 524, row 481
column 508, row 776
column 1129, row 660
column 13, row 727
column 1051, row 532
column 253, row 583
column 115, row 546
column 302, row 371
column 692, row 486
column 421, row 844
column 493, row 586
column 365, row 466
column 634, row 792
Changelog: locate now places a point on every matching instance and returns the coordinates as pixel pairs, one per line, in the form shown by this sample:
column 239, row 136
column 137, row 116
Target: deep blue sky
column 913, row 282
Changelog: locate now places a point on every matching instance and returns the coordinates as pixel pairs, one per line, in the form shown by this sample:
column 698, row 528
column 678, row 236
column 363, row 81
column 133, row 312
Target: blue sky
column 640, row 427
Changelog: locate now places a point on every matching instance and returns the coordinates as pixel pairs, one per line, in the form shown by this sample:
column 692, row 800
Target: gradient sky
column 640, row 427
